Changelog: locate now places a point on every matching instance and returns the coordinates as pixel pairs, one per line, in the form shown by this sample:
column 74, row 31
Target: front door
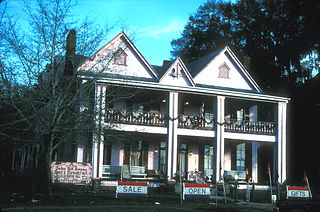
column 135, row 154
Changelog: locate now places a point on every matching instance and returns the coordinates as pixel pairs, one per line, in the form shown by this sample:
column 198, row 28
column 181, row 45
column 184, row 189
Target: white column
column 82, row 136
column 95, row 140
column 172, row 134
column 281, row 141
column 101, row 118
column 175, row 135
column 101, row 150
column 253, row 113
column 94, row 154
column 220, row 137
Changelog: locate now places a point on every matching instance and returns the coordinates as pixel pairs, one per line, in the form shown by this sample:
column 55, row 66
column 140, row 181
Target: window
column 120, row 57
column 224, row 71
column 163, row 156
column 183, row 158
column 241, row 156
column 208, row 160
column 135, row 153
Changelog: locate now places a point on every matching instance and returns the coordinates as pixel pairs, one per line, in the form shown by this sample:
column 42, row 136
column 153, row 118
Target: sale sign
column 297, row 192
column 196, row 191
column 132, row 190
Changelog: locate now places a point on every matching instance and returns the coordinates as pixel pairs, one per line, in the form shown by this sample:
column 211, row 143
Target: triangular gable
column 177, row 75
column 105, row 60
column 224, row 70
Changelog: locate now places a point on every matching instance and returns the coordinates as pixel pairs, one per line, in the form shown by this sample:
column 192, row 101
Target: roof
column 192, row 70
column 196, row 66
column 126, row 38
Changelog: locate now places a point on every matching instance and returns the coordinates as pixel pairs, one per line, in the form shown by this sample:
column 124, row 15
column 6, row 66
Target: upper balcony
column 189, row 122
column 195, row 122
column 249, row 127
column 136, row 118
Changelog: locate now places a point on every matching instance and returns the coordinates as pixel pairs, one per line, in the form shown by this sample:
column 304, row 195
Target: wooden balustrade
column 144, row 118
column 190, row 122
column 245, row 126
column 195, row 122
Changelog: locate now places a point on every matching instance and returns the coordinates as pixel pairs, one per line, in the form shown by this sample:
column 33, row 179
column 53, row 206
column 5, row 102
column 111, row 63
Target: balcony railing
column 135, row 118
column 195, row 122
column 244, row 126
column 189, row 122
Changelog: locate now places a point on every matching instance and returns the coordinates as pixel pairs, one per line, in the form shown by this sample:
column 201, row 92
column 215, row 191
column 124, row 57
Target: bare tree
column 41, row 94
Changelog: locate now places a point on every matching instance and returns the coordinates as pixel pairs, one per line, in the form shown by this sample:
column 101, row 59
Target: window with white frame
column 163, row 156
column 120, row 57
column 241, row 156
column 208, row 160
column 224, row 71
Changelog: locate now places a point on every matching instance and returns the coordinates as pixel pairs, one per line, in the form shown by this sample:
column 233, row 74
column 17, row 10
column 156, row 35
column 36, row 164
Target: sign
column 71, row 172
column 132, row 190
column 297, row 192
column 196, row 191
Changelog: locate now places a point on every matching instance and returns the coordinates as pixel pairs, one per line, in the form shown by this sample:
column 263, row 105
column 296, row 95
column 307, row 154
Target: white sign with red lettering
column 132, row 190
column 196, row 191
column 297, row 192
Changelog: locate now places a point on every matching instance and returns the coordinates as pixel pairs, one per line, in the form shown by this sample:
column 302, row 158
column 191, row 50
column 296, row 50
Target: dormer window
column 120, row 57
column 224, row 71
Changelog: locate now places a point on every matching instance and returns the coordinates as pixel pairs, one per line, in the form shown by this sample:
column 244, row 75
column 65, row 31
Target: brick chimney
column 70, row 52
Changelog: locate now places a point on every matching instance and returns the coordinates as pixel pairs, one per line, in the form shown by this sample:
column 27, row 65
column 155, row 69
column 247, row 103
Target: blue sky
column 150, row 24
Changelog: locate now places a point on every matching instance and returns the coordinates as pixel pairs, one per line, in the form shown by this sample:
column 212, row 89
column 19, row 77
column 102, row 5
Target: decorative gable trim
column 238, row 63
column 243, row 69
column 104, row 48
column 178, row 62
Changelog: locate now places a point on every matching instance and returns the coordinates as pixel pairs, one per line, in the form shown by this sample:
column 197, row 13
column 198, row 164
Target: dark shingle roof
column 77, row 60
column 161, row 70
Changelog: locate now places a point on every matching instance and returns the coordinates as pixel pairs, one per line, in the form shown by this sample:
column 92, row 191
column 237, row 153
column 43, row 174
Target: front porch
column 144, row 157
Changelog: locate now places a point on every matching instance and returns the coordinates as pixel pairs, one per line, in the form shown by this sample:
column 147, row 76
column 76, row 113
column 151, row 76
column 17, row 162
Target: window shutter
column 201, row 158
column 145, row 154
column 233, row 156
column 248, row 162
column 126, row 153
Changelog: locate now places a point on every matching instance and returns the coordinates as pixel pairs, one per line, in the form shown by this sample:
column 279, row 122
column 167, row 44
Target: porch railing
column 134, row 172
column 195, row 122
column 245, row 126
column 189, row 122
column 129, row 117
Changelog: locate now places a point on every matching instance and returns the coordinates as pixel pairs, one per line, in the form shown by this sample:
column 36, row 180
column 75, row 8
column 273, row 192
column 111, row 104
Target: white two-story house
column 208, row 117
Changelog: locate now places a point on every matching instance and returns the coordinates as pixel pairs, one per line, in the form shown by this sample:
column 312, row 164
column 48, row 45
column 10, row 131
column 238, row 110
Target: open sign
column 196, row 191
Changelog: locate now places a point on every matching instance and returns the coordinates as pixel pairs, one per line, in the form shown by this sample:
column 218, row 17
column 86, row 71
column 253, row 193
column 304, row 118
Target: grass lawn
column 75, row 198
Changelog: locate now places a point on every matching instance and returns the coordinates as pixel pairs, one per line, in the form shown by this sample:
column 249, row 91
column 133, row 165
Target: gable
column 119, row 58
column 226, row 72
column 177, row 75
